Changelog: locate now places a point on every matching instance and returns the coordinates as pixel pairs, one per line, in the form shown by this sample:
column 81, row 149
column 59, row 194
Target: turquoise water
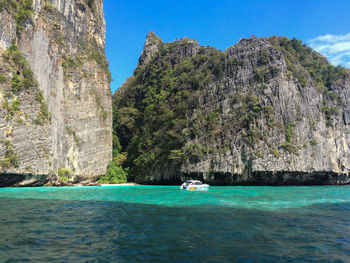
column 165, row 224
column 261, row 198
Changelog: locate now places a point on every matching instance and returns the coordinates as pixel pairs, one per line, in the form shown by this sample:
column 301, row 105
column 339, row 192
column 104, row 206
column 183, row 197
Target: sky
column 321, row 24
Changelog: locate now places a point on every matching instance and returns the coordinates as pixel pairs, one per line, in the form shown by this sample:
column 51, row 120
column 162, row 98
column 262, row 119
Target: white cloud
column 334, row 47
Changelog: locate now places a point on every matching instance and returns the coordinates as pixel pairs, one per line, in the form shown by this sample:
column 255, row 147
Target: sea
column 166, row 224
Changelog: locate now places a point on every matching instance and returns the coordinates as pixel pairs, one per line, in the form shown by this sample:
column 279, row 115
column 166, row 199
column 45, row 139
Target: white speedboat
column 194, row 185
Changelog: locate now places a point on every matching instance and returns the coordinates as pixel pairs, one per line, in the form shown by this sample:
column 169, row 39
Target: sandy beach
column 124, row 184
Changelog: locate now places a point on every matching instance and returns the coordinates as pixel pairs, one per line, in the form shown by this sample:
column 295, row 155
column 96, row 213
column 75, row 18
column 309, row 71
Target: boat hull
column 197, row 188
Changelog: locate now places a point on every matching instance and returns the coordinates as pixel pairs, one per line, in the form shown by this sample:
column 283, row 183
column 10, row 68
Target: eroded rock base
column 263, row 178
column 31, row 180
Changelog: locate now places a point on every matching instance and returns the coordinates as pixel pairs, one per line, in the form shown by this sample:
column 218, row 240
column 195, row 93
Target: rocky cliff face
column 54, row 88
column 266, row 111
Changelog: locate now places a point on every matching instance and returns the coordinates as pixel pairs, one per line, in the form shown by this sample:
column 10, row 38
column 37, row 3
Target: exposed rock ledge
column 51, row 179
column 264, row 178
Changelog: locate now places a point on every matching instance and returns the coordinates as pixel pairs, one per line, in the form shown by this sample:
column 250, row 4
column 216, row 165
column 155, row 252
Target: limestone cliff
column 266, row 111
column 54, row 88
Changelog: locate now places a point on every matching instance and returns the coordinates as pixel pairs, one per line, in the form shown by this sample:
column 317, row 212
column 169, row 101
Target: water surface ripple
column 164, row 224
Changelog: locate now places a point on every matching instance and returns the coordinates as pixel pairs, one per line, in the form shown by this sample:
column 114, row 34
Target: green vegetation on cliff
column 153, row 122
column 23, row 77
column 157, row 110
column 22, row 80
column 64, row 174
column 115, row 173
column 11, row 159
column 21, row 9
column 320, row 70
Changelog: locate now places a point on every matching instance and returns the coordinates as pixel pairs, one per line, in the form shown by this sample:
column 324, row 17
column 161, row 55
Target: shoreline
column 262, row 178
column 136, row 184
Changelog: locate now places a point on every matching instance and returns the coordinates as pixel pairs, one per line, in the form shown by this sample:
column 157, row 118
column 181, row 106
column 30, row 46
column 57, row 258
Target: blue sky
column 323, row 24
